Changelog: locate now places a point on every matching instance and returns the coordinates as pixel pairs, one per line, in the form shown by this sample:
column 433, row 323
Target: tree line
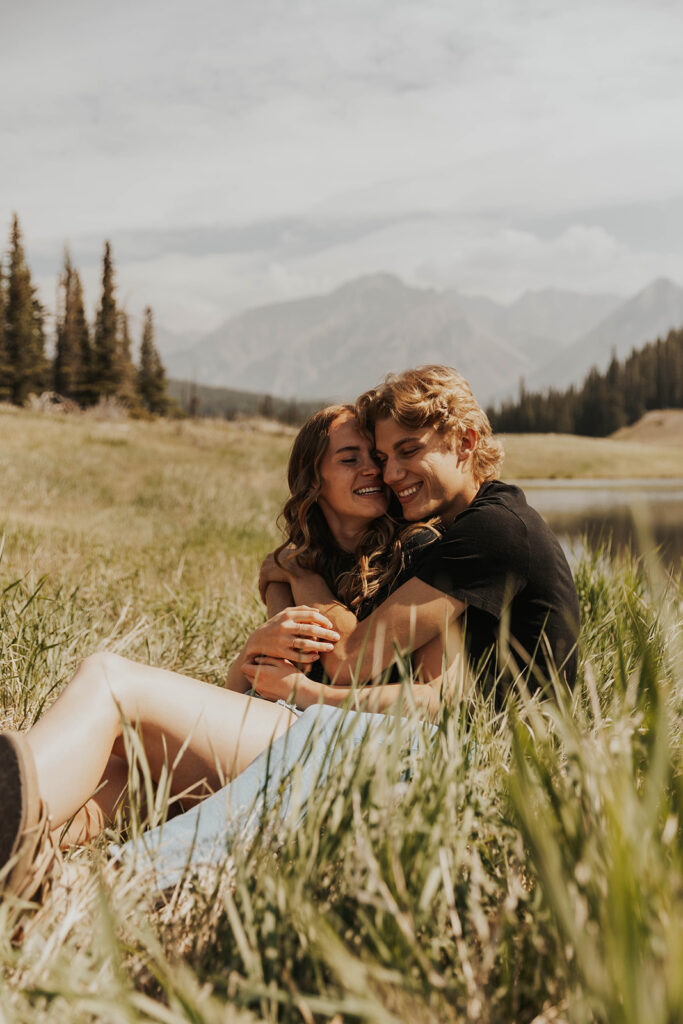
column 649, row 378
column 90, row 362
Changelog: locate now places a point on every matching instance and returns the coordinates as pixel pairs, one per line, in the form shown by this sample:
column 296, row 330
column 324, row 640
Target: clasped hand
column 299, row 635
column 277, row 679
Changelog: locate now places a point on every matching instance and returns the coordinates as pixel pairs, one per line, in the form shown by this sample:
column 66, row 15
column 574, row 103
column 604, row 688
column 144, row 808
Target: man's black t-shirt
column 502, row 560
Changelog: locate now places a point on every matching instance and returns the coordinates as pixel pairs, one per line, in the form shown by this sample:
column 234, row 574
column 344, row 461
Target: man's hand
column 297, row 634
column 277, row 679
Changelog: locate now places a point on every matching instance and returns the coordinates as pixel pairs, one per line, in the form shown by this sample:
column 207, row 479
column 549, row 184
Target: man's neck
column 461, row 501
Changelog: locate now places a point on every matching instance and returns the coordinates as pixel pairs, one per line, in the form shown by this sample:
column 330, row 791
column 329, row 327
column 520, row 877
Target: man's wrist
column 306, row 692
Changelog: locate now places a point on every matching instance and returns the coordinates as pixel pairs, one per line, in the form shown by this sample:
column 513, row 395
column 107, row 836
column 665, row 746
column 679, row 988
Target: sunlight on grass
column 511, row 867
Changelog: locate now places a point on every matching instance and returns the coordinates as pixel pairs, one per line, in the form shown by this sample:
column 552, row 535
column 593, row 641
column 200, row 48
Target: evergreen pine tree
column 194, row 403
column 126, row 388
column 24, row 325
column 41, row 373
column 151, row 375
column 5, row 366
column 615, row 415
column 674, row 344
column 72, row 365
column 106, row 373
column 162, row 402
column 84, row 393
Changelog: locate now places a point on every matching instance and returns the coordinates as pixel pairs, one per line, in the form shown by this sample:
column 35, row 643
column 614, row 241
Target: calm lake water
column 643, row 513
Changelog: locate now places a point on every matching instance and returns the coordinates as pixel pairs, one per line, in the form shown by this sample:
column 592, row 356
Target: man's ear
column 468, row 443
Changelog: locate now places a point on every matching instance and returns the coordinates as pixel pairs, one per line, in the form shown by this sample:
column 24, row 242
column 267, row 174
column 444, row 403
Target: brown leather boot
column 26, row 847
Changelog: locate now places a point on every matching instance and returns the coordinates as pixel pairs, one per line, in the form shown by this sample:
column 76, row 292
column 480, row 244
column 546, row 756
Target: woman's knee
column 107, row 672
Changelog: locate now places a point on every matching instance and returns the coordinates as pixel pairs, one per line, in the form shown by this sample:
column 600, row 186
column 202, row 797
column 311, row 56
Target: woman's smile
column 368, row 491
column 352, row 491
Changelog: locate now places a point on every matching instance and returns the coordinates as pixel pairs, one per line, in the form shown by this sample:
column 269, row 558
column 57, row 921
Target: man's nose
column 391, row 471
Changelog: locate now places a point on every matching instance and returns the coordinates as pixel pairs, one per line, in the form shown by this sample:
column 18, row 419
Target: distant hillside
column 660, row 427
column 341, row 343
column 648, row 315
column 542, row 322
column 649, row 378
column 226, row 403
column 171, row 341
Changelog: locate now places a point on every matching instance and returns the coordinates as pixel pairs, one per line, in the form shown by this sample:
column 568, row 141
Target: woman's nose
column 370, row 468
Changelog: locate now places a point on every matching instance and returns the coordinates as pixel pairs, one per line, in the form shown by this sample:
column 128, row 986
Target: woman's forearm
column 310, row 589
column 278, row 597
column 235, row 679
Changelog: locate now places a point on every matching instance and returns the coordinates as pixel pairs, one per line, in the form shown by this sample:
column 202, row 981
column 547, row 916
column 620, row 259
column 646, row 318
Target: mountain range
column 333, row 346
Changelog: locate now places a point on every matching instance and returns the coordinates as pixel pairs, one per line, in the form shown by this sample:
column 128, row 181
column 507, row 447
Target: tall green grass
column 520, row 866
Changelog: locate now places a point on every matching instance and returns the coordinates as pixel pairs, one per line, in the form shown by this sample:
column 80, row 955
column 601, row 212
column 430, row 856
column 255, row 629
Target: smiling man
column 496, row 573
column 496, row 556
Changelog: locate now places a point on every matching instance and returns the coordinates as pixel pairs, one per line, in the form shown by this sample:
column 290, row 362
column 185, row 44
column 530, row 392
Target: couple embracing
column 404, row 553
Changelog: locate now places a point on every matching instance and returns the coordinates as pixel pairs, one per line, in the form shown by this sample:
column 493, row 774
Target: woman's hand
column 277, row 679
column 297, row 634
column 281, row 571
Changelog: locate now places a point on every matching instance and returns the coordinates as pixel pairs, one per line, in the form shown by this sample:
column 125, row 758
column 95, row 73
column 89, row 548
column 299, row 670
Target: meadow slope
column 523, row 867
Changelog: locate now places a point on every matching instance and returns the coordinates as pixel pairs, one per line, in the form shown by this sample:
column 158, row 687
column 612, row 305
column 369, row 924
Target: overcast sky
column 238, row 152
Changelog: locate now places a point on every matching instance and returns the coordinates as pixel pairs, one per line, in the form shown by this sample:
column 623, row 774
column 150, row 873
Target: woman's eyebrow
column 348, row 448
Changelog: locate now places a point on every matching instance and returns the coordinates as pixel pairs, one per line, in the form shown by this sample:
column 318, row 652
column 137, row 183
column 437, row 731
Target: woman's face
column 428, row 474
column 351, row 481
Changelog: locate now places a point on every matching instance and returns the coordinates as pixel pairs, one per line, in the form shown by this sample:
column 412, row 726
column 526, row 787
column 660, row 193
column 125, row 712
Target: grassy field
column 563, row 456
column 527, row 868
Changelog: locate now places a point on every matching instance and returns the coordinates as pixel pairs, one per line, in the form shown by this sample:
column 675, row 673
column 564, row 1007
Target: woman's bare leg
column 73, row 740
column 100, row 810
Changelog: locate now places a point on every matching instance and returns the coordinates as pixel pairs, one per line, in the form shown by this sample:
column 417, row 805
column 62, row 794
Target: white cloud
column 480, row 116
column 194, row 291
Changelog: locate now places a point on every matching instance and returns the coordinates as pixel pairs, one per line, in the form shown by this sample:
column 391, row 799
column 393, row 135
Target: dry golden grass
column 516, row 872
column 660, row 427
column 83, row 492
column 565, row 456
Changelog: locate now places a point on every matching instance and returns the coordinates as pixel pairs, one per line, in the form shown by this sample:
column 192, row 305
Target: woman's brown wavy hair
column 379, row 555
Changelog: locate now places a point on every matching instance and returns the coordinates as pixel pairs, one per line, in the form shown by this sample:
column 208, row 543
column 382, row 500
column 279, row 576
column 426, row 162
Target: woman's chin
column 375, row 510
column 380, row 511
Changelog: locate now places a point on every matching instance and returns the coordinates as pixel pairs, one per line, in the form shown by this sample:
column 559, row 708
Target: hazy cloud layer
column 246, row 151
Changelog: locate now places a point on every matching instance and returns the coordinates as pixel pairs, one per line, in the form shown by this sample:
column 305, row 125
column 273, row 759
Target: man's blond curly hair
column 436, row 396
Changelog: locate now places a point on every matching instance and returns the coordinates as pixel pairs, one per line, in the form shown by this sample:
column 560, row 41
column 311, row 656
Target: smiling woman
column 336, row 521
column 351, row 487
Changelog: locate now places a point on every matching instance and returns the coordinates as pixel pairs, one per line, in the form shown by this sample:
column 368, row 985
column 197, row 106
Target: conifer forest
column 91, row 362
column 649, row 378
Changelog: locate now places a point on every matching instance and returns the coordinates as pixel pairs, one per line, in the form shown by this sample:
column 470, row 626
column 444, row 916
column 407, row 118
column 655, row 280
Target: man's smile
column 408, row 492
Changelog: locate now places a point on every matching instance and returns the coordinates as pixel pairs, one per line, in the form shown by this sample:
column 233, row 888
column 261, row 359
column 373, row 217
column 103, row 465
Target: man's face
column 427, row 473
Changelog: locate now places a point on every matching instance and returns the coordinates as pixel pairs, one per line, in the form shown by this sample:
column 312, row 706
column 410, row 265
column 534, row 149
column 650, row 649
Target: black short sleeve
column 501, row 560
column 482, row 559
